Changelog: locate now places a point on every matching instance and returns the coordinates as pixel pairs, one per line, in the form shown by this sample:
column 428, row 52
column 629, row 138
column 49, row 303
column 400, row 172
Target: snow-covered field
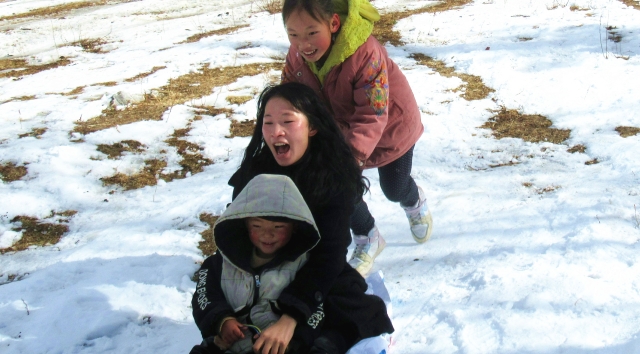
column 538, row 255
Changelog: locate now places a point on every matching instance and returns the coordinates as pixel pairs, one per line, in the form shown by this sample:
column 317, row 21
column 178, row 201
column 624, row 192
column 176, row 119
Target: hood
column 356, row 24
column 265, row 195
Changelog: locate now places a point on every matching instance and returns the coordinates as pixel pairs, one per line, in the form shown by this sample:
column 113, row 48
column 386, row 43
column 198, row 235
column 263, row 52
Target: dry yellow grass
column 35, row 133
column 58, row 10
column 577, row 148
column 241, row 128
column 145, row 74
column 473, row 87
column 238, row 99
column 383, row 29
column 632, row 3
column 91, row 45
column 10, row 172
column 509, row 123
column 178, row 91
column 114, row 151
column 218, row 32
column 38, row 233
column 208, row 243
column 626, row 132
column 20, row 68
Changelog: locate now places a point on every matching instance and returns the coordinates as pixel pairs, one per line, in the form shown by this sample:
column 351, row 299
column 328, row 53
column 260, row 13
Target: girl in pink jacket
column 333, row 52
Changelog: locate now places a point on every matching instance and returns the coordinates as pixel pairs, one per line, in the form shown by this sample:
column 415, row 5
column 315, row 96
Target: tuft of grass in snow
column 145, row 74
column 178, row 91
column 241, row 128
column 208, row 243
column 626, row 132
column 38, row 233
column 192, row 162
column 633, row 3
column 473, row 87
column 107, row 84
column 22, row 98
column 20, row 67
column 238, row 99
column 10, row 172
column 270, row 6
column 575, row 7
column 592, row 162
column 213, row 111
column 76, row 91
column 57, row 10
column 218, row 32
column 11, row 278
column 577, row 148
column 383, row 29
column 113, row 151
column 91, row 45
column 35, row 133
column 509, row 123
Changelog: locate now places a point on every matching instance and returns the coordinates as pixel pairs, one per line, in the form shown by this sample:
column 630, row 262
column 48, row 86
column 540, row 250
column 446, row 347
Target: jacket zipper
column 256, row 293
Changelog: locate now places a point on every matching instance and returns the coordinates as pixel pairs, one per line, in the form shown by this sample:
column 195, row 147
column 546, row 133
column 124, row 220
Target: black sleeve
column 209, row 305
column 305, row 295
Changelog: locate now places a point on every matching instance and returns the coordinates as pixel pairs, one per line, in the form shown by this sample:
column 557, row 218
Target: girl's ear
column 312, row 132
column 334, row 24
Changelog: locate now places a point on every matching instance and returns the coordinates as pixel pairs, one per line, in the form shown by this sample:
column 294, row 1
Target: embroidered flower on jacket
column 377, row 86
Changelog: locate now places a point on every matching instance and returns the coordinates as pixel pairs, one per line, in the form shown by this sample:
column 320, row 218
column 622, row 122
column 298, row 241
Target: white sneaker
column 367, row 249
column 420, row 219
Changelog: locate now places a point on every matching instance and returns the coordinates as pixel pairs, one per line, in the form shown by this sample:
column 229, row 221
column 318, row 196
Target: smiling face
column 268, row 236
column 286, row 131
column 312, row 38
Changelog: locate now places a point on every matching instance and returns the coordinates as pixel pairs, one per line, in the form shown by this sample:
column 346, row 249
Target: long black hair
column 326, row 169
column 319, row 10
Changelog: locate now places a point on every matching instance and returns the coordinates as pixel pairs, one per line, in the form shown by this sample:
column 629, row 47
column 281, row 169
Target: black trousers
column 396, row 184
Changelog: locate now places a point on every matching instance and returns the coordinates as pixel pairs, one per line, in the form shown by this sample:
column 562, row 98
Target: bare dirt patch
column 10, row 172
column 34, row 133
column 24, row 69
column 178, row 91
column 535, row 128
column 58, row 10
column 114, row 151
column 36, row 232
column 626, row 132
column 473, row 87
column 208, row 243
column 383, row 29
column 218, row 32
column 145, row 74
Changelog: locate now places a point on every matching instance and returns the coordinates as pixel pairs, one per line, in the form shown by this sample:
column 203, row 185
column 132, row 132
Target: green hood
column 356, row 23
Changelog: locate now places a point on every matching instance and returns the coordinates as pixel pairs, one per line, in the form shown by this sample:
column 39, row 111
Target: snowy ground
column 538, row 256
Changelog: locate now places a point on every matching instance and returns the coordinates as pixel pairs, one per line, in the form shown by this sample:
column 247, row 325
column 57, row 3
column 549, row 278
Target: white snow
column 553, row 266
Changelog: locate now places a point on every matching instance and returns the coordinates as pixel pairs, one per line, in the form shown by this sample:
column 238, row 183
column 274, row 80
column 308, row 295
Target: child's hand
column 231, row 331
column 275, row 339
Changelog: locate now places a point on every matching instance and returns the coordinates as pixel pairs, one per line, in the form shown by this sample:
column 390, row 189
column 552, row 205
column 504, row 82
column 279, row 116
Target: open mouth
column 281, row 148
column 310, row 53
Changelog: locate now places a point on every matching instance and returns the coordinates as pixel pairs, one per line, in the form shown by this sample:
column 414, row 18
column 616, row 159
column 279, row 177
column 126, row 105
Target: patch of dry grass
column 10, row 172
column 238, row 99
column 575, row 7
column 178, row 91
column 91, row 45
column 58, row 10
column 192, row 162
column 218, row 32
column 632, row 3
column 241, row 128
column 213, row 111
column 107, row 84
column 24, row 69
column 38, row 233
column 76, row 91
column 270, row 6
column 592, row 162
column 473, row 87
column 509, row 123
column 577, row 148
column 208, row 243
column 114, row 151
column 35, row 133
column 626, row 132
column 383, row 29
column 145, row 74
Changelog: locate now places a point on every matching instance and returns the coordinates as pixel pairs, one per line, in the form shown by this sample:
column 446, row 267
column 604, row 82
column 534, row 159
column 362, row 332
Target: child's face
column 310, row 37
column 286, row 131
column 268, row 236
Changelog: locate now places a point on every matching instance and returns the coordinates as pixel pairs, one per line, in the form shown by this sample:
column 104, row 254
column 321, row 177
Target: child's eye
column 292, row 35
column 312, row 33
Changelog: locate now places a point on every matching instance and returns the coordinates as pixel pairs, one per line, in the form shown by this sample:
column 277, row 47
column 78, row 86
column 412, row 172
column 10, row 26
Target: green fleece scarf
column 356, row 21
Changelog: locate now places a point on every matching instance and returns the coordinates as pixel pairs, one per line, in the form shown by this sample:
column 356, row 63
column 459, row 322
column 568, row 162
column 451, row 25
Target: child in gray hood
column 263, row 239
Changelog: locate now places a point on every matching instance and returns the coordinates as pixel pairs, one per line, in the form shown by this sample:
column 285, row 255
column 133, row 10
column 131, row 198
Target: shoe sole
column 365, row 270
column 426, row 238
